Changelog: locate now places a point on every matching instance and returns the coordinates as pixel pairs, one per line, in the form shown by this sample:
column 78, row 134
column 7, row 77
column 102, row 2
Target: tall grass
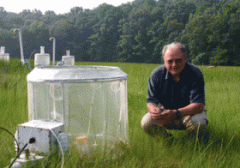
column 222, row 104
column 13, row 105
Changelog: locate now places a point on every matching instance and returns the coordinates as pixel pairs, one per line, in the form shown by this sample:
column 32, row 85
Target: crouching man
column 176, row 95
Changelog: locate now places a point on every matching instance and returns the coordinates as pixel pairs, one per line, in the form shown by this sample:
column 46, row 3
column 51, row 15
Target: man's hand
column 157, row 113
column 168, row 115
column 154, row 111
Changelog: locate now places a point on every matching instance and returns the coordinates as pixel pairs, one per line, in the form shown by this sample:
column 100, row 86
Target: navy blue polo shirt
column 173, row 95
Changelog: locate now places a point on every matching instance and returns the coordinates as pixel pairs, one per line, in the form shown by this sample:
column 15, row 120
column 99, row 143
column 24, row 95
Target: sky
column 58, row 6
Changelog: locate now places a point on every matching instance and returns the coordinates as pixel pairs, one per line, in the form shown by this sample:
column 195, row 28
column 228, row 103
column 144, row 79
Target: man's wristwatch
column 178, row 114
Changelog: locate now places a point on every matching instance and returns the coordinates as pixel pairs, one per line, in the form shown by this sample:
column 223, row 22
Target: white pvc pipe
column 21, row 45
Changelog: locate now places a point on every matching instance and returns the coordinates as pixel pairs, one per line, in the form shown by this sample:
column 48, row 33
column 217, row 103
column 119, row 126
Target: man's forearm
column 191, row 109
column 169, row 114
column 152, row 107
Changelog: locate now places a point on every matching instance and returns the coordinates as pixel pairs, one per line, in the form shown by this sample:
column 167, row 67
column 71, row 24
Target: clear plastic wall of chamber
column 93, row 113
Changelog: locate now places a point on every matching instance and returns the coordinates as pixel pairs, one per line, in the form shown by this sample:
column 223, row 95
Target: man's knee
column 200, row 119
column 151, row 126
column 197, row 122
column 146, row 122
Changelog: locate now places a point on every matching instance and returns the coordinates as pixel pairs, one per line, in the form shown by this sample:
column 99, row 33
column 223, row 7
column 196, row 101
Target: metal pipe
column 21, row 45
column 54, row 46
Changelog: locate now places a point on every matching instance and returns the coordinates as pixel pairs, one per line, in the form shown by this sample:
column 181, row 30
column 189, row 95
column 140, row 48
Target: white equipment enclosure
column 90, row 101
column 4, row 56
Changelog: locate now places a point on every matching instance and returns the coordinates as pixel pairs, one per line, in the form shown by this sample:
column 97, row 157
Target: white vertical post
column 21, row 45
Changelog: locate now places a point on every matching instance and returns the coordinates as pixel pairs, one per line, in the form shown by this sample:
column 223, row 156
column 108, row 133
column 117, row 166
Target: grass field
column 223, row 110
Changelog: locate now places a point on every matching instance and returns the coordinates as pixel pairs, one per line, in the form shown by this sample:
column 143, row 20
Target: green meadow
column 222, row 105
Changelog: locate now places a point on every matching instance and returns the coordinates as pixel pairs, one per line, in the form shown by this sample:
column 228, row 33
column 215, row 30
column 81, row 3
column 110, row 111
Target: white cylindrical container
column 41, row 59
column 91, row 101
column 4, row 56
column 68, row 59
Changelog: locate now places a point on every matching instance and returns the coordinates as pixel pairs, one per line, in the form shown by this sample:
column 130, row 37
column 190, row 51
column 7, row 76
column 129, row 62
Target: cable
column 60, row 145
column 31, row 140
column 12, row 136
column 18, row 155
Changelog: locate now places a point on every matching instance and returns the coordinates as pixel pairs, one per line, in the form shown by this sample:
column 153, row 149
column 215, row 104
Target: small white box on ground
column 42, row 131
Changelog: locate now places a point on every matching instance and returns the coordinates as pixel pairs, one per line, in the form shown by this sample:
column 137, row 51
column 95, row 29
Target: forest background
column 133, row 32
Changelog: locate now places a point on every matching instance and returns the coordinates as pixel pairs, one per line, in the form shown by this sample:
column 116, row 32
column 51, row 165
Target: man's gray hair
column 180, row 45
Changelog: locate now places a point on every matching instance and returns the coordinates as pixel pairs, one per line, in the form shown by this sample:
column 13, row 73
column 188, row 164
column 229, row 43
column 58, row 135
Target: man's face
column 174, row 61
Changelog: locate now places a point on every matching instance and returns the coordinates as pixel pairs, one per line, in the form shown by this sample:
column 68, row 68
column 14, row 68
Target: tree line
column 131, row 32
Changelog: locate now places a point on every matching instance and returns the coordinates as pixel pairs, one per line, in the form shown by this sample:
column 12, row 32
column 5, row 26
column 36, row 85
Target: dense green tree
column 49, row 18
column 135, row 40
column 74, row 14
column 132, row 32
column 105, row 37
column 9, row 40
column 196, row 35
column 64, row 33
column 231, row 40
column 36, row 35
column 3, row 17
column 169, row 21
column 210, row 35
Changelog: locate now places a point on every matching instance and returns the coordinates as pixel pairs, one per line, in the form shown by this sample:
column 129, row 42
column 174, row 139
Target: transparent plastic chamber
column 91, row 101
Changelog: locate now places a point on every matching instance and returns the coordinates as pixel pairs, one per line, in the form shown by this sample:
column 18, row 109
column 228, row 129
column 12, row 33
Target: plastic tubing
column 60, row 145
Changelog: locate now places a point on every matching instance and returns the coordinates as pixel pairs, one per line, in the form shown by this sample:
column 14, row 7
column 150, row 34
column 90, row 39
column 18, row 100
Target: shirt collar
column 168, row 74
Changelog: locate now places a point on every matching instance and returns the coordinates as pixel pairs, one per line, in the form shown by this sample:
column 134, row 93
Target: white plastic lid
column 42, row 52
column 67, row 54
column 75, row 74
